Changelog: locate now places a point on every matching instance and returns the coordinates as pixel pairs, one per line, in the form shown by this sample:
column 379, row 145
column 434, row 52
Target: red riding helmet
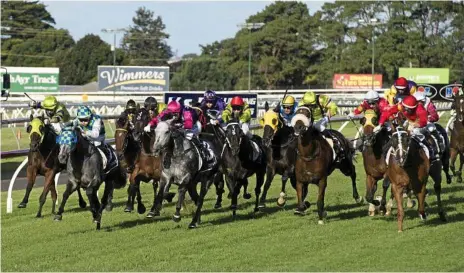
column 401, row 84
column 409, row 102
column 237, row 101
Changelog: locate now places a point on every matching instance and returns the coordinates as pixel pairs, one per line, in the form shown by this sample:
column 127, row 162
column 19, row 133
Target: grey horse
column 85, row 169
column 185, row 170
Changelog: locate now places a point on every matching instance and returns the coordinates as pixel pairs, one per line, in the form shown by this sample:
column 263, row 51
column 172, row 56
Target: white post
column 9, row 201
column 57, row 176
column 343, row 126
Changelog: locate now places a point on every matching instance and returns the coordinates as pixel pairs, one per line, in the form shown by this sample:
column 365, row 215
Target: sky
column 188, row 23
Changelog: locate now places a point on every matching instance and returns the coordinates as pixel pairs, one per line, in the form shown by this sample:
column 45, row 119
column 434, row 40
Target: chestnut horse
column 457, row 138
column 409, row 168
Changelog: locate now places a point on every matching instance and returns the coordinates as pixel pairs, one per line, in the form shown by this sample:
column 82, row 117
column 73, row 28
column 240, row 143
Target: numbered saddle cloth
column 109, row 158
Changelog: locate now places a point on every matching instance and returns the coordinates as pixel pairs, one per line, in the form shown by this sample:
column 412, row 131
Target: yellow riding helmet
column 309, row 98
column 288, row 101
column 49, row 103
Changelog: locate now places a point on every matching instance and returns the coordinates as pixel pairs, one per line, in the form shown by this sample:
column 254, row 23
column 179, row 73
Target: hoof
column 388, row 213
column 261, row 206
column 233, row 207
column 246, row 196
column 371, row 210
column 307, row 204
column 176, row 218
column 371, row 213
column 128, row 209
column 58, row 217
column 82, row 205
column 423, row 216
column 400, row 231
column 22, row 205
column 411, row 203
column 217, row 206
column 320, row 222
column 299, row 212
column 141, row 209
column 109, row 207
column 98, row 226
column 152, row 214
column 359, row 200
column 442, row 216
column 281, row 202
column 192, row 225
column 39, row 215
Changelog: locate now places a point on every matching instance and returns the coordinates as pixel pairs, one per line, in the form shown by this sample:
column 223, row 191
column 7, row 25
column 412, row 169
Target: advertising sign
column 32, row 79
column 430, row 90
column 426, row 75
column 133, row 78
column 364, row 81
column 449, row 91
column 188, row 98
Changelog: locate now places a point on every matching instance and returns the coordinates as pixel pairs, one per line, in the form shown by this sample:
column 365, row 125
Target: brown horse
column 315, row 161
column 374, row 160
column 409, row 168
column 457, row 138
column 43, row 160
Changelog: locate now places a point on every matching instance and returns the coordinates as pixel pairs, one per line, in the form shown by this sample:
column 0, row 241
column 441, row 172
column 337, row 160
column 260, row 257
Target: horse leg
column 305, row 194
column 82, row 203
column 320, row 201
column 283, row 195
column 445, row 160
column 246, row 195
column 270, row 173
column 106, row 198
column 390, row 201
column 235, row 194
column 31, row 176
column 398, row 192
column 158, row 203
column 436, row 176
column 461, row 163
column 300, row 208
column 219, row 184
column 155, row 188
column 70, row 188
column 259, row 184
column 453, row 157
column 54, row 196
column 421, row 201
column 371, row 188
column 140, row 206
column 357, row 198
column 192, row 191
column 182, row 189
column 49, row 180
column 109, row 204
column 383, row 202
column 197, row 216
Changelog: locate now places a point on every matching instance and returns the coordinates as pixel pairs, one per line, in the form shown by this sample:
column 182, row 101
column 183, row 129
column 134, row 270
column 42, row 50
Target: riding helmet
column 131, row 104
column 309, row 98
column 210, row 95
column 409, row 102
column 151, row 104
column 288, row 101
column 49, row 103
column 237, row 101
column 401, row 84
column 174, row 107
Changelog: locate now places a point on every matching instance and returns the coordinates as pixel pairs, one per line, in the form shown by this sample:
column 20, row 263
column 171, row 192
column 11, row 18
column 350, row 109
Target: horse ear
column 31, row 117
column 277, row 108
column 28, row 129
column 138, row 106
column 266, row 106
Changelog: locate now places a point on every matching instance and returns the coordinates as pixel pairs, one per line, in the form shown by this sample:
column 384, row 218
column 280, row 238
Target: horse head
column 234, row 137
column 369, row 122
column 163, row 135
column 142, row 118
column 302, row 120
column 67, row 141
column 271, row 123
column 459, row 103
column 400, row 145
column 121, row 137
column 36, row 131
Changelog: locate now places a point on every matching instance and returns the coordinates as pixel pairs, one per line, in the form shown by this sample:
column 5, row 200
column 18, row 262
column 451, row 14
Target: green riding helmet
column 50, row 103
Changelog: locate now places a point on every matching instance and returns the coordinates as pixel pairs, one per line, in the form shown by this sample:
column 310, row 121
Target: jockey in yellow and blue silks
column 287, row 109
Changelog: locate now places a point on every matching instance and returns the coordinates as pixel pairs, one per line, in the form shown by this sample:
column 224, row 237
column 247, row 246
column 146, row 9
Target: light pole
column 113, row 48
column 373, row 22
column 250, row 26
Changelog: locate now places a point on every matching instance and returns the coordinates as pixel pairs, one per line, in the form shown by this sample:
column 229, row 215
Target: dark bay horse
column 186, row 169
column 280, row 145
column 457, row 138
column 43, row 160
column 85, row 169
column 374, row 160
column 409, row 168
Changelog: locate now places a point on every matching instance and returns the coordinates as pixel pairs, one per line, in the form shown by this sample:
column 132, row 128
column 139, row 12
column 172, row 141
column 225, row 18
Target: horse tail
column 119, row 178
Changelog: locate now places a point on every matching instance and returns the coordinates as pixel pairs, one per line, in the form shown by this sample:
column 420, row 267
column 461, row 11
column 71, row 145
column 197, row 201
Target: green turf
column 272, row 240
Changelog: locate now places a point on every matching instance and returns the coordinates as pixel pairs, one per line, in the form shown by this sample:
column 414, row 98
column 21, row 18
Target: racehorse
column 279, row 143
column 86, row 170
column 316, row 161
column 186, row 169
column 374, row 160
column 457, row 138
column 409, row 168
column 42, row 159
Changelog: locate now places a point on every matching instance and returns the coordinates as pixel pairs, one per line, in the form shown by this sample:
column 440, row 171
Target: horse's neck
column 146, row 142
column 310, row 141
column 180, row 146
column 48, row 143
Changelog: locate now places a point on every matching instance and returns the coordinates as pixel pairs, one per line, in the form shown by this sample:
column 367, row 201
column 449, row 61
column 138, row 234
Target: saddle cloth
column 390, row 151
column 210, row 159
column 256, row 150
column 112, row 160
column 331, row 143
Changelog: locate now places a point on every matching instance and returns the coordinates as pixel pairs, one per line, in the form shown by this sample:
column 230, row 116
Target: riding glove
column 147, row 128
column 351, row 115
column 377, row 128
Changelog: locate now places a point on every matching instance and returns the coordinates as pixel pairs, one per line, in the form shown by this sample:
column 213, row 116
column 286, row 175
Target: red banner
column 341, row 81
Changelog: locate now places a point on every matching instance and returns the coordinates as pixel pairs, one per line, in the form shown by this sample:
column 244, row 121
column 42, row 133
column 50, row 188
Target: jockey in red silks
column 416, row 116
column 372, row 101
column 185, row 118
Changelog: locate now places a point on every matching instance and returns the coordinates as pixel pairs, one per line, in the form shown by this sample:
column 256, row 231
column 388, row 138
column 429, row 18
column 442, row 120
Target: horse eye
column 274, row 121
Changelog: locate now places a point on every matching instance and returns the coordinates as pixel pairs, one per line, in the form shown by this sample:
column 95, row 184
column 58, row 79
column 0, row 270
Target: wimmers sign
column 133, row 78
column 33, row 79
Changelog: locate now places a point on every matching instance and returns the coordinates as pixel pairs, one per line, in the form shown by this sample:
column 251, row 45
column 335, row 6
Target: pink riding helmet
column 174, row 107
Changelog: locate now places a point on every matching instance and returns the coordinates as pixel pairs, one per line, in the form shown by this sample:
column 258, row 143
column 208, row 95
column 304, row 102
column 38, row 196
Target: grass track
column 272, row 240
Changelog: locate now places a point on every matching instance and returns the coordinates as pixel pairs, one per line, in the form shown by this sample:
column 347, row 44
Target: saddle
column 335, row 144
column 109, row 157
column 207, row 157
column 257, row 153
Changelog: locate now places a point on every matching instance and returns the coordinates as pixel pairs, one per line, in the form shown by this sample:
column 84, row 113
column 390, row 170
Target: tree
column 145, row 42
column 79, row 65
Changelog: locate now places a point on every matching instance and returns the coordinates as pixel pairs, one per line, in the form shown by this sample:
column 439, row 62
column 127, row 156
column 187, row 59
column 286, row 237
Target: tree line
column 293, row 49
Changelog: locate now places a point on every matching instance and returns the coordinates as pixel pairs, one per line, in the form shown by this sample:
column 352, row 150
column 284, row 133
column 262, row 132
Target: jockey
column 153, row 107
column 400, row 89
column 371, row 101
column 432, row 118
column 55, row 111
column 416, row 116
column 287, row 109
column 322, row 108
column 240, row 110
column 93, row 129
column 183, row 118
column 212, row 102
column 129, row 112
column 199, row 114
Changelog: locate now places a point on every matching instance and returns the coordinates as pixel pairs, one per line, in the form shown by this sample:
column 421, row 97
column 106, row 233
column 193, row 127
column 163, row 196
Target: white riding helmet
column 420, row 96
column 372, row 96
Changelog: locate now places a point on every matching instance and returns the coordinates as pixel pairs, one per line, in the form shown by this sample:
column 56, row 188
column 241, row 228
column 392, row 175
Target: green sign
column 33, row 79
column 426, row 75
